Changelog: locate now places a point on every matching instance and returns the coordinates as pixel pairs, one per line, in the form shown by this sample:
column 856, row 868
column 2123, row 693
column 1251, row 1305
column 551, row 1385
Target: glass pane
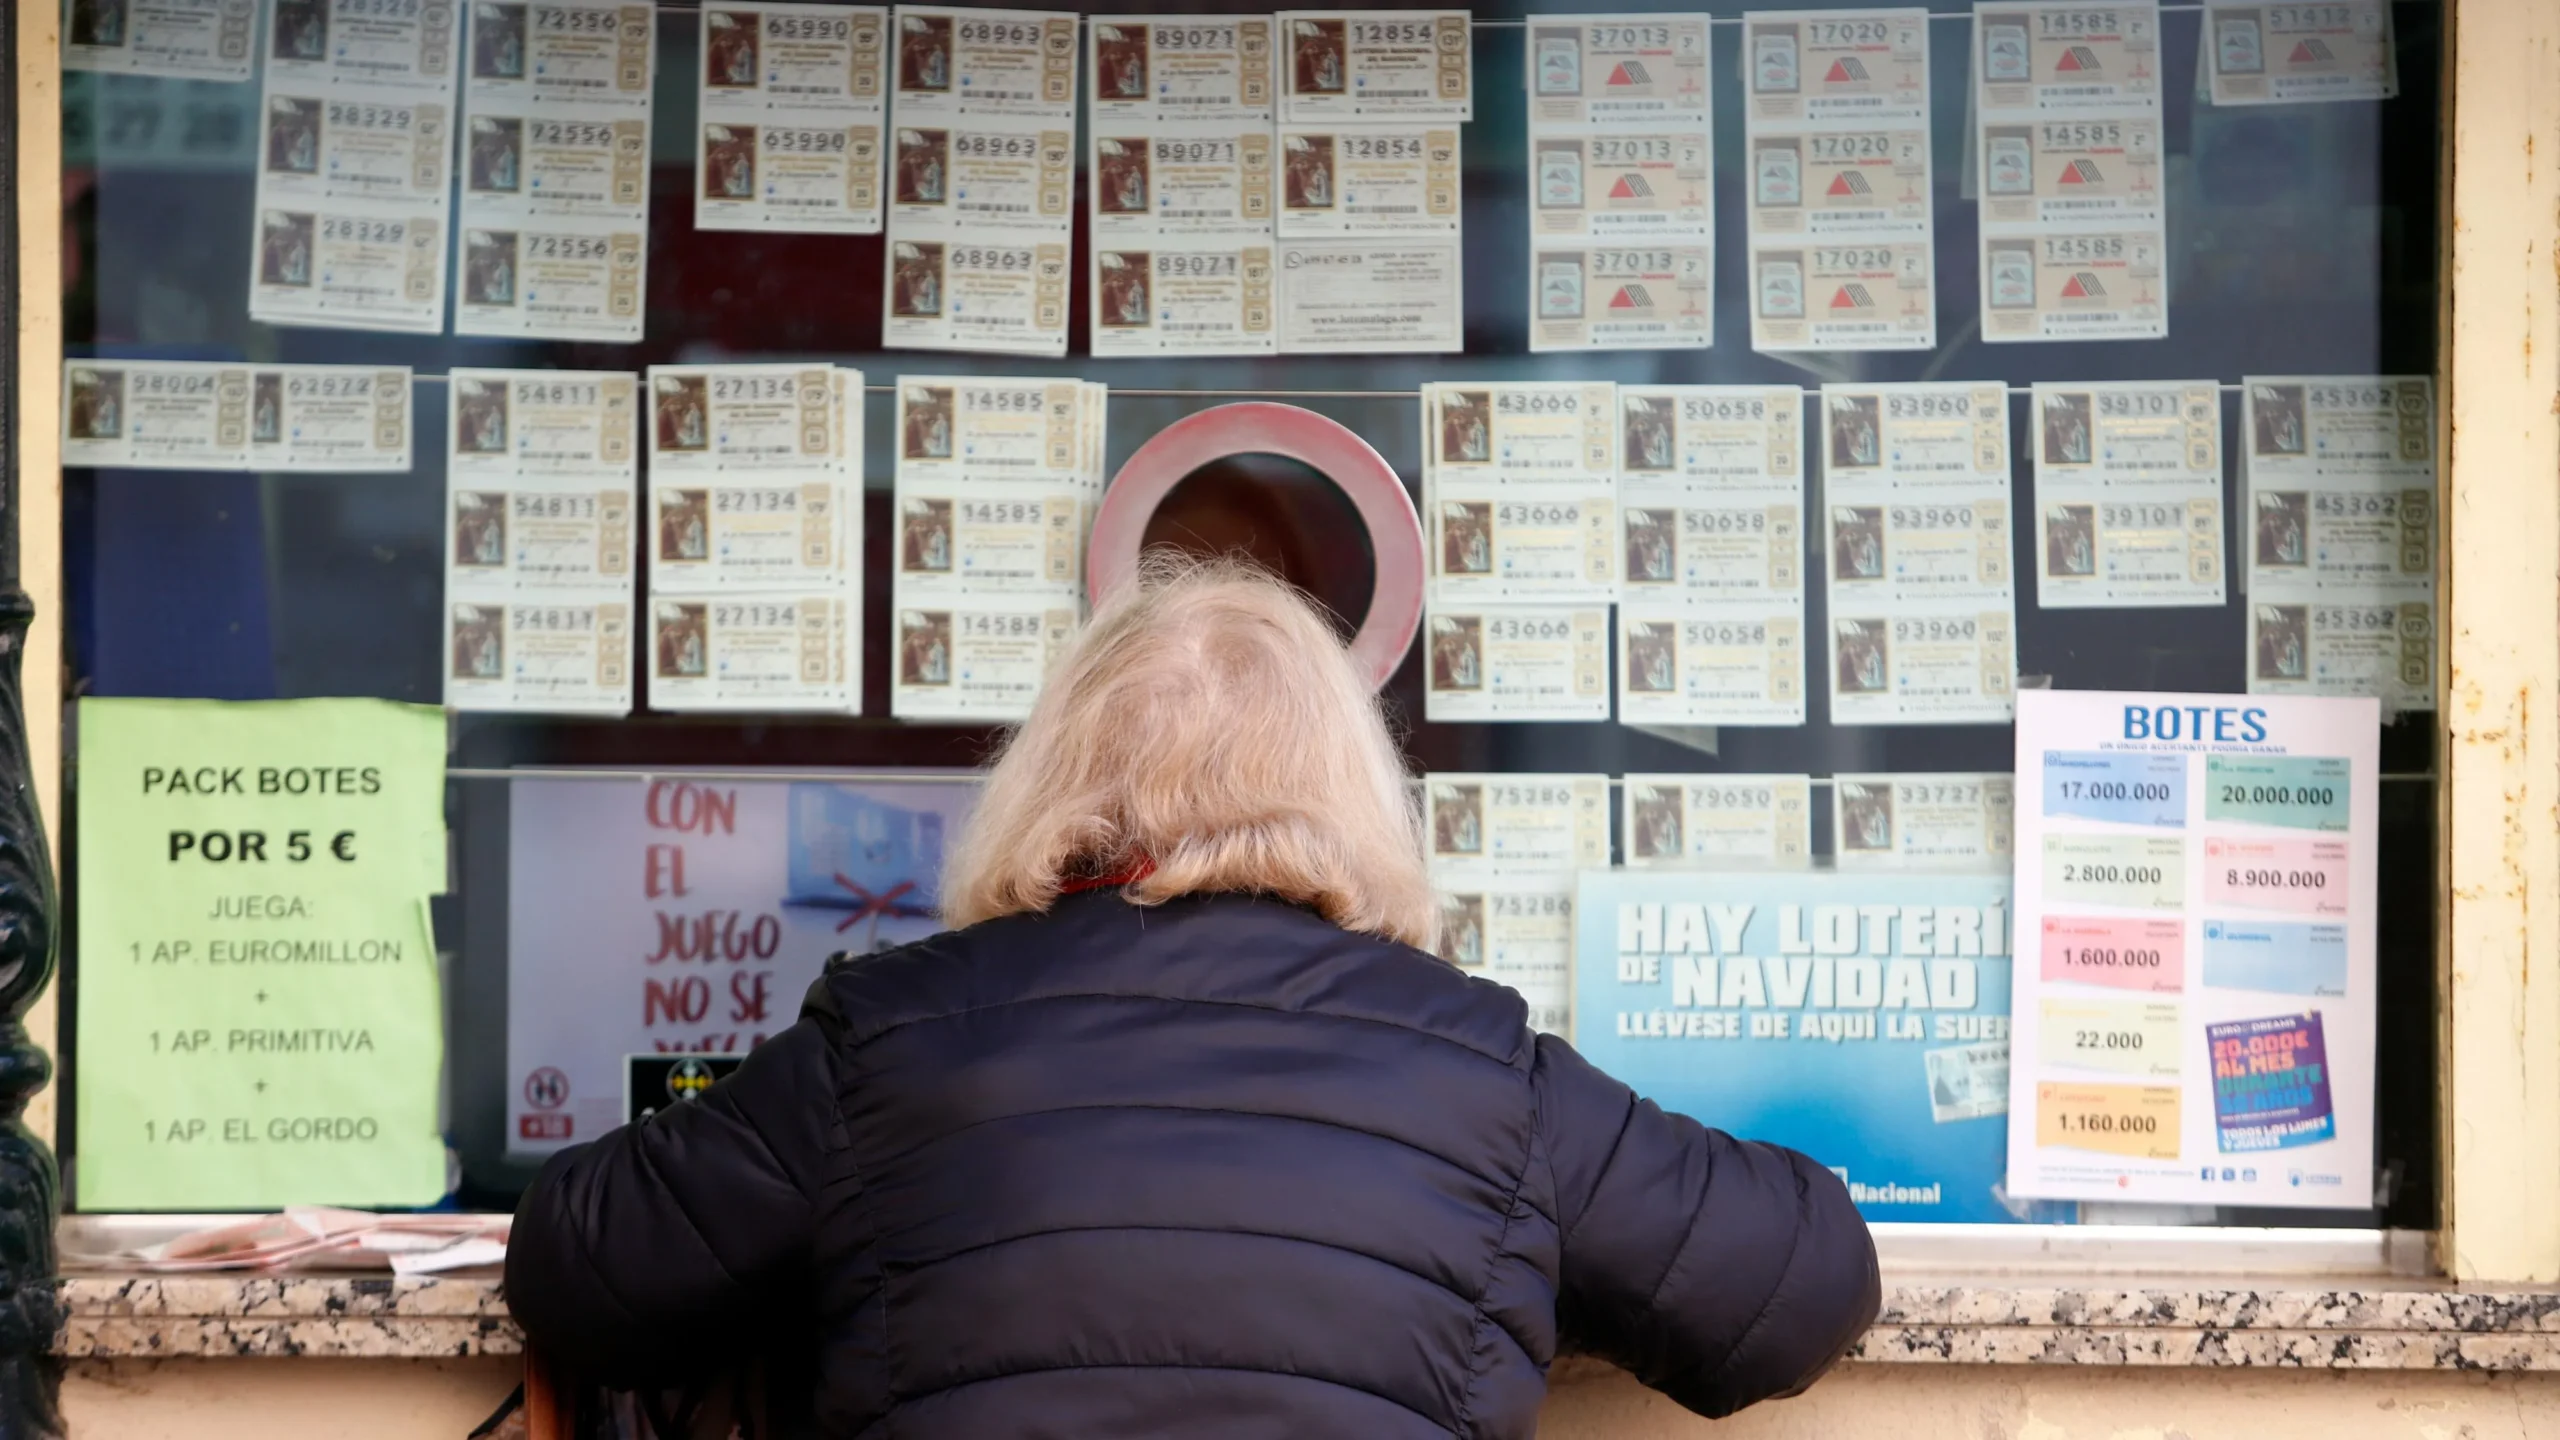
column 2300, row 240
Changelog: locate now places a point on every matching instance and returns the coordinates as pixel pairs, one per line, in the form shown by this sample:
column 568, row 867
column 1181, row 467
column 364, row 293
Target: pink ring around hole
column 1260, row 427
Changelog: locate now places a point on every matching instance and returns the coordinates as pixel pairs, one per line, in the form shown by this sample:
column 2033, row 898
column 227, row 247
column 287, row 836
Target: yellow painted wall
column 442, row 1400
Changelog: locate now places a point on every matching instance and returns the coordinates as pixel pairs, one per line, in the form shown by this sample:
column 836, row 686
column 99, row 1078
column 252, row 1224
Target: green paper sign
column 260, row 1019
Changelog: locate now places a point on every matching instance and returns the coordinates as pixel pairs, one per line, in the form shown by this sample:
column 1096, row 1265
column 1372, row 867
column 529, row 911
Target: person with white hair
column 1184, row 1130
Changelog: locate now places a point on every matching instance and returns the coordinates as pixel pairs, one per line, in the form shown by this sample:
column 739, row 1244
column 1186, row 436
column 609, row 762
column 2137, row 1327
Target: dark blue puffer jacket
column 1213, row 1169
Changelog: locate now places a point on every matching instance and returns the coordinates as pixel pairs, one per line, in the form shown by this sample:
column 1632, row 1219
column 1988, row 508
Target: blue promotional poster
column 1860, row 1018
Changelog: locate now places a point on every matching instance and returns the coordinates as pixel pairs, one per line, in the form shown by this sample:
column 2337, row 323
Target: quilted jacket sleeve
column 1717, row 1271
column 667, row 1250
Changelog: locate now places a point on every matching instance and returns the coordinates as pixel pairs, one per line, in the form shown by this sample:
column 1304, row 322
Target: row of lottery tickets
column 1282, row 184
column 1685, row 505
column 753, row 529
column 1544, row 503
column 1257, row 185
column 1505, row 849
column 996, row 485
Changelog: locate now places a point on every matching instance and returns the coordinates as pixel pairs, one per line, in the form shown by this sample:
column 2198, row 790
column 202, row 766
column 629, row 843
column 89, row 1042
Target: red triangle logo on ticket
column 1626, row 189
column 1618, row 76
column 1624, row 301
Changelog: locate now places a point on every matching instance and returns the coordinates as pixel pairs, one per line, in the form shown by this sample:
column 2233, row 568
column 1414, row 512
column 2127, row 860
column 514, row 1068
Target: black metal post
column 30, row 1188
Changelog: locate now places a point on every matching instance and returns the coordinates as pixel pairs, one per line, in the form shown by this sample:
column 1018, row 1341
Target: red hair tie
column 1144, row 867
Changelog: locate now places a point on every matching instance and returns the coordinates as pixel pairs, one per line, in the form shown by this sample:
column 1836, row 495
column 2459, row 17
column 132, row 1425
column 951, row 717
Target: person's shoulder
column 859, row 993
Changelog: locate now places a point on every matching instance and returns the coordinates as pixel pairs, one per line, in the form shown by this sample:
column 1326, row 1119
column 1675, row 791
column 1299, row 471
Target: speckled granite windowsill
column 2357, row 1325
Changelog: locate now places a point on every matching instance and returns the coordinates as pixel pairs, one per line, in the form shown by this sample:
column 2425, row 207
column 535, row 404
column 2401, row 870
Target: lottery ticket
column 2068, row 148
column 1496, row 434
column 993, row 295
column 544, row 422
column 1492, row 824
column 366, row 48
column 2382, row 648
column 1893, row 821
column 1840, row 294
column 975, row 660
column 1516, row 930
column 1937, row 662
column 1848, row 184
column 1941, row 546
column 554, row 56
column 1625, row 181
column 1727, row 664
column 1700, row 820
column 2305, row 426
column 1676, row 440
column 953, row 62
column 739, row 531
column 187, row 415
column 1967, row 1082
column 525, row 168
column 1701, row 552
column 2342, row 539
column 1894, row 440
column 1184, row 295
column 566, row 279
column 2097, row 551
column 1621, row 297
column 354, row 137
column 1201, row 178
column 2081, row 285
column 1516, row 662
column 1585, row 69
column 2287, row 54
column 725, row 419
column 776, row 653
column 318, row 149
column 179, row 39
column 1375, row 65
column 1371, row 297
column 523, row 534
column 2059, row 57
column 975, row 177
column 793, row 111
column 1857, row 69
column 953, row 428
column 1525, row 543
column 349, row 265
column 1180, row 68
column 563, row 654
column 1367, row 180
column 2096, row 169
column 984, row 537
column 2128, row 494
column 1837, row 134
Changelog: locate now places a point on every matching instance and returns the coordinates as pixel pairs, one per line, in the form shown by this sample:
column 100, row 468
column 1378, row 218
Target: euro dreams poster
column 1861, row 1019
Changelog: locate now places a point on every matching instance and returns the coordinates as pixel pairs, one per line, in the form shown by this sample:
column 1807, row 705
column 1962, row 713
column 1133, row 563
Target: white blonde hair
column 1207, row 723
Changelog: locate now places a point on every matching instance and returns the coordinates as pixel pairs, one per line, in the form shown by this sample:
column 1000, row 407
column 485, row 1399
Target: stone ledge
column 2384, row 1325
